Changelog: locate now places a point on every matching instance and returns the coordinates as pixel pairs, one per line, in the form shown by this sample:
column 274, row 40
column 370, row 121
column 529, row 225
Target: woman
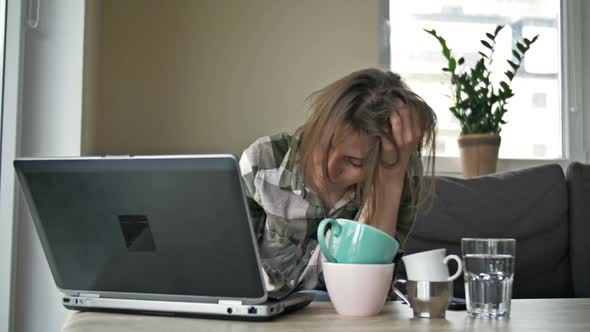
column 357, row 156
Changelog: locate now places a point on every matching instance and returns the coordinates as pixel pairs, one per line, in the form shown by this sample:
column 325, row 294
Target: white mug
column 431, row 266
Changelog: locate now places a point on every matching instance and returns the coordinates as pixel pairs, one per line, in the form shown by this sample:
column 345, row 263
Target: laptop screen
column 174, row 226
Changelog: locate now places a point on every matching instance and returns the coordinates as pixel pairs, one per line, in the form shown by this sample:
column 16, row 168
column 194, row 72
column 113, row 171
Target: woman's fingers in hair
column 397, row 127
column 406, row 132
column 417, row 122
column 406, row 124
column 389, row 143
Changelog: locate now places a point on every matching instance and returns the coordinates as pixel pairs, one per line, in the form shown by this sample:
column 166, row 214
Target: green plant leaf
column 498, row 28
column 447, row 52
column 534, row 39
column 505, row 86
column 452, row 64
column 480, row 68
column 516, row 55
column 478, row 105
column 513, row 65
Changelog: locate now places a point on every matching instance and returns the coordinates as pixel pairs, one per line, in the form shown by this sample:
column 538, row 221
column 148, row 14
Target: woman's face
column 346, row 162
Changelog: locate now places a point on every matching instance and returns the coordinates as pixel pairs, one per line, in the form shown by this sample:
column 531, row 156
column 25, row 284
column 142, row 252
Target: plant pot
column 479, row 154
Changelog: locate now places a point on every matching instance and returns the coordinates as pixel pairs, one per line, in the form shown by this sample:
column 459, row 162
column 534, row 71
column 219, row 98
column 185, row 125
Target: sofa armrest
column 578, row 183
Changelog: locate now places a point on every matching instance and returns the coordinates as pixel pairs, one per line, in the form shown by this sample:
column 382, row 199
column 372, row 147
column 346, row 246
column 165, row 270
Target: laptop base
column 257, row 312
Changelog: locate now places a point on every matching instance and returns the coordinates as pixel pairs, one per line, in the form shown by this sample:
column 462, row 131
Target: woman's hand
column 406, row 132
column 405, row 129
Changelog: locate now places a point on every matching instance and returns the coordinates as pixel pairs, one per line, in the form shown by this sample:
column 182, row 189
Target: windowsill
column 451, row 166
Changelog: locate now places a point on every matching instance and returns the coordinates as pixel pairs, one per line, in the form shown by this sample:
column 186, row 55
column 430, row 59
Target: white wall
column 51, row 126
column 10, row 105
column 213, row 75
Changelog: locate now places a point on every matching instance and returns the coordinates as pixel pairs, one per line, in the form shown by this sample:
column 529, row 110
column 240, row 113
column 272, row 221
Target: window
column 534, row 128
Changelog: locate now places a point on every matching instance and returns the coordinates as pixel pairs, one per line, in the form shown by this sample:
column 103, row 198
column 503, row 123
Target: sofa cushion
column 529, row 205
column 578, row 181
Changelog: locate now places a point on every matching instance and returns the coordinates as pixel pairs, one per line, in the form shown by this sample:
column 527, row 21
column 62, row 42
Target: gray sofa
column 545, row 210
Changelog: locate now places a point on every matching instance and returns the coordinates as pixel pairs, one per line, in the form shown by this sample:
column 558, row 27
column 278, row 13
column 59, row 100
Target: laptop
column 150, row 234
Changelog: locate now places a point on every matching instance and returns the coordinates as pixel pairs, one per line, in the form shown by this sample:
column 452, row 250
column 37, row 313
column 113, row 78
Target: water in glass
column 488, row 284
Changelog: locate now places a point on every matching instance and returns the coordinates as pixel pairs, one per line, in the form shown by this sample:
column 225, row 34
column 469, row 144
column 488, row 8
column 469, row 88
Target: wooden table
column 556, row 315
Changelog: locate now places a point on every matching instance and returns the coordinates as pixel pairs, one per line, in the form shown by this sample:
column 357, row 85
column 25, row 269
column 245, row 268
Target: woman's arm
column 389, row 192
column 406, row 131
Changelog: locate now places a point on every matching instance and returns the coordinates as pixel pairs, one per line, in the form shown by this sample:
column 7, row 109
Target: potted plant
column 478, row 104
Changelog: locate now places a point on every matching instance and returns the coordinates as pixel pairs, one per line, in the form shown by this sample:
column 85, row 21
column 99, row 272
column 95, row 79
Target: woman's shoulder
column 268, row 151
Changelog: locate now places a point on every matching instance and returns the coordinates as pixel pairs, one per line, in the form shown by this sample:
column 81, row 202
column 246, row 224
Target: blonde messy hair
column 363, row 101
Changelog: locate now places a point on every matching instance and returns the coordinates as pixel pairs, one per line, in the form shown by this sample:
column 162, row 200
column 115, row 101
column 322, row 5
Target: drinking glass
column 489, row 273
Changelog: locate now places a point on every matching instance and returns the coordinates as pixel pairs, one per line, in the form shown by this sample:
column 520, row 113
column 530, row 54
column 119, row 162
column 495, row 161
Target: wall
column 90, row 96
column 10, row 104
column 50, row 126
column 177, row 77
column 213, row 75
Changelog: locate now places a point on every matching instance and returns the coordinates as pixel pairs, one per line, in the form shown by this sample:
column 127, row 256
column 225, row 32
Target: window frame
column 574, row 121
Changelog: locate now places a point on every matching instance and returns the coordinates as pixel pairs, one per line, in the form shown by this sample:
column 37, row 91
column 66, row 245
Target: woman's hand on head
column 406, row 131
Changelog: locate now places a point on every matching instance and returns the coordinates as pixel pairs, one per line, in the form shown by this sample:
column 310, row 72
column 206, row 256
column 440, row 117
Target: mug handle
column 459, row 266
column 335, row 230
column 399, row 293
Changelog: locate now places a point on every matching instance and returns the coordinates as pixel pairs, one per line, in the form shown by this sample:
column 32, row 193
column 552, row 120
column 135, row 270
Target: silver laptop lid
column 160, row 227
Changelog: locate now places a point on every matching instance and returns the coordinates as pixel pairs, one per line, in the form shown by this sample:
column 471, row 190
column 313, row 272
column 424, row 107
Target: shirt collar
column 291, row 174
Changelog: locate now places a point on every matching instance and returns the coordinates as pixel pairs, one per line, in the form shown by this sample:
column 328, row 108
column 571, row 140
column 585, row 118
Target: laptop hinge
column 230, row 302
column 88, row 295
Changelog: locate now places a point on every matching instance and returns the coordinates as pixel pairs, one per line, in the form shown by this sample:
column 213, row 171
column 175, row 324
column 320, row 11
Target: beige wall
column 210, row 76
column 90, row 96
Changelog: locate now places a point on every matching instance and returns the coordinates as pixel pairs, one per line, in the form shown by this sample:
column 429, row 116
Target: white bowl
column 358, row 289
